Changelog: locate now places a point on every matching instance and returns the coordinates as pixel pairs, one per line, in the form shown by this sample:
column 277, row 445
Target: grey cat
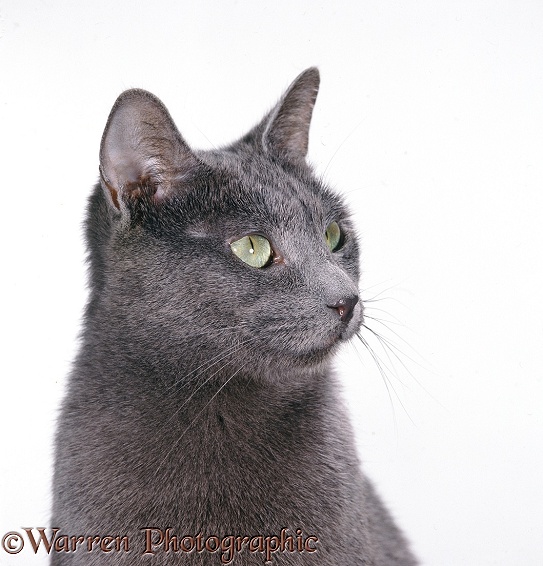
column 202, row 422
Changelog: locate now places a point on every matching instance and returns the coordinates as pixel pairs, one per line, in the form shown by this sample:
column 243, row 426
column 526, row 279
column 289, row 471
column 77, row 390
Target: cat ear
column 141, row 146
column 286, row 128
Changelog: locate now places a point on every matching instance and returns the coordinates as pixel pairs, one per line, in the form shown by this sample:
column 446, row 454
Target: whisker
column 342, row 144
column 377, row 285
column 381, row 321
column 212, row 361
column 389, row 342
column 394, row 350
column 384, row 378
column 178, row 439
column 379, row 362
column 207, row 364
column 380, row 292
column 392, row 368
column 226, row 355
column 376, row 300
column 208, row 378
column 202, row 133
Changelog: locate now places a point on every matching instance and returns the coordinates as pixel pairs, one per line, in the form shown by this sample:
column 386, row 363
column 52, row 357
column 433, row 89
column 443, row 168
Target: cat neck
column 206, row 377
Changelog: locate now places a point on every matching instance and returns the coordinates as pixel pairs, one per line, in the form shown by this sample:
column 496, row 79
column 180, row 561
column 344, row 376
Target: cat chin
column 319, row 351
column 324, row 352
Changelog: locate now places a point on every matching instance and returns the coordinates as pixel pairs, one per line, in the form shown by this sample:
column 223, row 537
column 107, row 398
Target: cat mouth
column 329, row 344
column 304, row 341
column 344, row 331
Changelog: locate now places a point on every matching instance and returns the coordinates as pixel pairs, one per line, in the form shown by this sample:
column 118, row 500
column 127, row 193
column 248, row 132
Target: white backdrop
column 429, row 120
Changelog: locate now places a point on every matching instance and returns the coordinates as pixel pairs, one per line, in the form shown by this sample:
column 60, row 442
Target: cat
column 202, row 422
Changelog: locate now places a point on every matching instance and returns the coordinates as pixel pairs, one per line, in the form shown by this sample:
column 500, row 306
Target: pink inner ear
column 128, row 166
column 141, row 145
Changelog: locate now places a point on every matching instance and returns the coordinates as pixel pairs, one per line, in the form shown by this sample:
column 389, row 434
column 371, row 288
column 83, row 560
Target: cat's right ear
column 141, row 147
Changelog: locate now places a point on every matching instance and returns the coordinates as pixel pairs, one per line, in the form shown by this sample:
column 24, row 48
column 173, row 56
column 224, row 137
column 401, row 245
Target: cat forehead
column 256, row 185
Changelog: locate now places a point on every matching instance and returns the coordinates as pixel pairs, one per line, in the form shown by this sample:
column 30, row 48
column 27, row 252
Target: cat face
column 238, row 250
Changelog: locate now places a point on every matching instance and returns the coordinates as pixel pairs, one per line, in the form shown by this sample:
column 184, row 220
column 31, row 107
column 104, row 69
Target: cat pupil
column 254, row 250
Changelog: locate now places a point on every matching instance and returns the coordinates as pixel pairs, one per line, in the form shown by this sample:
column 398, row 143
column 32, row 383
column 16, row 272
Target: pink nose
column 345, row 307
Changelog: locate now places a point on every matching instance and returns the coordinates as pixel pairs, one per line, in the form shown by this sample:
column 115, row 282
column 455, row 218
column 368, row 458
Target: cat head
column 240, row 251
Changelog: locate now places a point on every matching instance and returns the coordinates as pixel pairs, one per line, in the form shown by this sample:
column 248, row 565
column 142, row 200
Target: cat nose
column 345, row 307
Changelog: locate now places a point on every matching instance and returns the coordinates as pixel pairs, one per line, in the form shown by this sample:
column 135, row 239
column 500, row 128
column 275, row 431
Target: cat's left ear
column 141, row 147
column 284, row 132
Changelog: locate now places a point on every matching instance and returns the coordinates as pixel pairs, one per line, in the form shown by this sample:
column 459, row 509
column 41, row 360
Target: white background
column 429, row 120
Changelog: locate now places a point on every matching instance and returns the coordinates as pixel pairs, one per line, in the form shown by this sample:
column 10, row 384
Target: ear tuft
column 141, row 144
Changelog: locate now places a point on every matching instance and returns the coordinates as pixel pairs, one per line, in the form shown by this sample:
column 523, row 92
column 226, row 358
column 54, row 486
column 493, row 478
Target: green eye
column 333, row 236
column 254, row 250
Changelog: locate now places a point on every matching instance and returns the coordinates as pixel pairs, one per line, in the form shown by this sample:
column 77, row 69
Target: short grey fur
column 202, row 399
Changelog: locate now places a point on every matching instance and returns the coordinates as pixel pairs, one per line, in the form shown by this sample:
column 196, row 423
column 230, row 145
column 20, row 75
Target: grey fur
column 202, row 397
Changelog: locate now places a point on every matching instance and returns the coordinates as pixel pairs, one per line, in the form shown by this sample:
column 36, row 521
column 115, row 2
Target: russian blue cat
column 202, row 422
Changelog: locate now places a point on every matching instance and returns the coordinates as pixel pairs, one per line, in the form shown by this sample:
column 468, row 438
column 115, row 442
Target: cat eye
column 333, row 236
column 254, row 250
